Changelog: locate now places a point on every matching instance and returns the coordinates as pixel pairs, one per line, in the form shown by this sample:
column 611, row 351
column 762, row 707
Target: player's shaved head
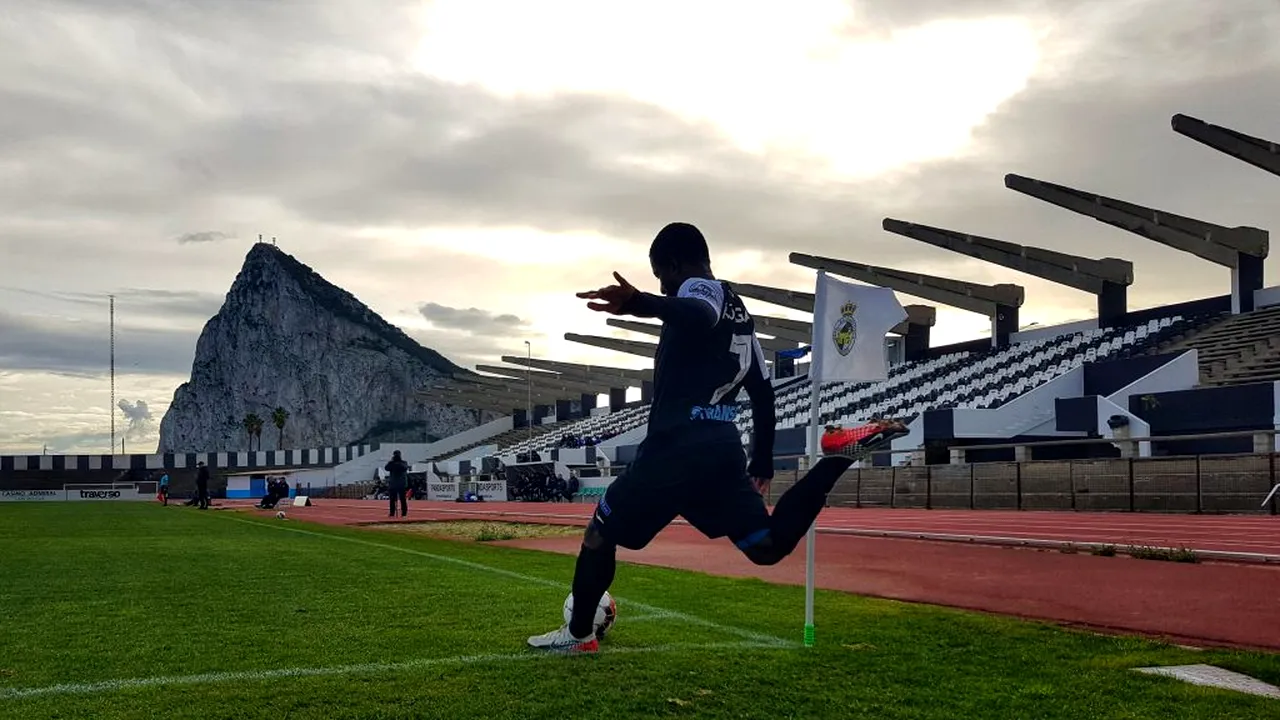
column 680, row 244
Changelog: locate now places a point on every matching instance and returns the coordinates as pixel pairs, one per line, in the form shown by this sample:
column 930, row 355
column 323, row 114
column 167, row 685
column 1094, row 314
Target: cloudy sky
column 463, row 166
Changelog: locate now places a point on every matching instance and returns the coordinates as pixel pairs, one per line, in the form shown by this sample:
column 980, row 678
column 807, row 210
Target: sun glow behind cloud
column 794, row 83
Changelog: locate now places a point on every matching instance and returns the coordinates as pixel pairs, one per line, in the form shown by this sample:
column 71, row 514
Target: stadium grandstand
column 1196, row 378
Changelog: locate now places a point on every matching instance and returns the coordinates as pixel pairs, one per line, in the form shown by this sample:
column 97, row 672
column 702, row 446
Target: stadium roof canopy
column 1242, row 249
column 1108, row 278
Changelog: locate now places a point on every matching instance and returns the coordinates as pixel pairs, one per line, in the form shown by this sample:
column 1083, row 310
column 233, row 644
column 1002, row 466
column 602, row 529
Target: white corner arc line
column 107, row 686
column 752, row 635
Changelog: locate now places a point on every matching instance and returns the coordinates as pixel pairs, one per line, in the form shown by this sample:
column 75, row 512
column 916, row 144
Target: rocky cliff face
column 286, row 337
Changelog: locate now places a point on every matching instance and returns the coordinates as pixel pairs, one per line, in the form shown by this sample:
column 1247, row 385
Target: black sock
column 591, row 578
column 800, row 504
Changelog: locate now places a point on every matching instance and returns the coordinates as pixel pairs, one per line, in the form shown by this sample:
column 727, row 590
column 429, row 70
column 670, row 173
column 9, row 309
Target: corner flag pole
column 815, row 415
column 846, row 318
column 810, row 538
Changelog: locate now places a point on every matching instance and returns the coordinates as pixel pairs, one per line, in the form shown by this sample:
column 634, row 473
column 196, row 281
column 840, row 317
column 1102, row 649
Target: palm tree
column 253, row 426
column 279, row 417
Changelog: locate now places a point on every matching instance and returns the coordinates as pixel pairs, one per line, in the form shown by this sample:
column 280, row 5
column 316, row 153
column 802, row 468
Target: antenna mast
column 113, row 373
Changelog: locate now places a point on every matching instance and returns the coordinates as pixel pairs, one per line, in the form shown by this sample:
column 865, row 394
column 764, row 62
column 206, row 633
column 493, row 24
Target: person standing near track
column 202, row 485
column 398, row 483
column 691, row 462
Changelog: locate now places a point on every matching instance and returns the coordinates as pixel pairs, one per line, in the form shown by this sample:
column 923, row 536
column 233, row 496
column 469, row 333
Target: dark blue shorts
column 707, row 485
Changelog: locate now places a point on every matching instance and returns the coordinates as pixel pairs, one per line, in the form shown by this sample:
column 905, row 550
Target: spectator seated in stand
column 531, row 484
column 570, row 441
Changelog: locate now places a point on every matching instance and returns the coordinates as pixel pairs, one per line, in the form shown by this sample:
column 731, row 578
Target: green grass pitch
column 139, row 611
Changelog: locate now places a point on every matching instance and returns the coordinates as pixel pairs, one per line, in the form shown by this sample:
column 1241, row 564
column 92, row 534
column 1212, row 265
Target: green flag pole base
column 808, row 635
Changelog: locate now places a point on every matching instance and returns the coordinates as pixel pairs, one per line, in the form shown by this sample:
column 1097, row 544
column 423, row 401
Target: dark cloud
column 420, row 152
column 473, row 321
column 178, row 306
column 468, row 350
column 205, row 236
column 82, row 349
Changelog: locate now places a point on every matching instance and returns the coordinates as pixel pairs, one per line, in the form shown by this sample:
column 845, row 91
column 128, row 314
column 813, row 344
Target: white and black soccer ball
column 606, row 614
column 280, row 514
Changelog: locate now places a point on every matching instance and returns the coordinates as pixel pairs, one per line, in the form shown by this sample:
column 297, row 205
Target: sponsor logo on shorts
column 714, row 413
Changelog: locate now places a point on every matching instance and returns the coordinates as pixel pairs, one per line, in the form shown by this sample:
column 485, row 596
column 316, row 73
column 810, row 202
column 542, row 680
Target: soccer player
column 691, row 462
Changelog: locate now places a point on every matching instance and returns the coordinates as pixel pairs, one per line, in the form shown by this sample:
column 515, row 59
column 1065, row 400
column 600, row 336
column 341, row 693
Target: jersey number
column 739, row 347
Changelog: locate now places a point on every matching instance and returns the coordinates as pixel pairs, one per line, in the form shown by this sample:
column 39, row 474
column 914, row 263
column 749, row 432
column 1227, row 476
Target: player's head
column 678, row 253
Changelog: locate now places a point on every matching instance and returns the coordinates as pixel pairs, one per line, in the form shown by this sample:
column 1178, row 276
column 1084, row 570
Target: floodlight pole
column 528, row 384
column 112, row 310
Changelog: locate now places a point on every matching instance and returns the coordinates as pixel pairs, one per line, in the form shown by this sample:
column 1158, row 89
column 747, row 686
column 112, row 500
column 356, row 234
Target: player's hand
column 614, row 297
column 761, row 485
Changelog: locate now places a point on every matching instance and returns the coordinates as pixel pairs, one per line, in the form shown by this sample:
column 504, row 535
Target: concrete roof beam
column 503, row 392
column 654, row 329
column 1077, row 272
column 981, row 299
column 1262, row 154
column 1215, row 243
column 631, row 377
column 784, row 329
column 547, row 381
column 631, row 347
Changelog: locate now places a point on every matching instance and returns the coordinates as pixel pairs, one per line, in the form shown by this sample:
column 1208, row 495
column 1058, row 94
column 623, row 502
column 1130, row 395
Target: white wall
column 573, row 456
column 634, row 436
column 1275, row 439
column 1051, row 331
column 914, row 439
column 475, row 453
column 1266, row 297
column 364, row 468
column 318, row 478
column 467, row 437
column 1137, row 426
column 1033, row 412
column 1180, row 373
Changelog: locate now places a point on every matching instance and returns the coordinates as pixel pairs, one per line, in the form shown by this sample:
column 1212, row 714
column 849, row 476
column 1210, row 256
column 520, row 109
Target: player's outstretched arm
column 763, row 415
column 692, row 311
column 689, row 312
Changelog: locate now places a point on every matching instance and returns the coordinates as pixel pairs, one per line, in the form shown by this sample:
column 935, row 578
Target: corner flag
column 849, row 325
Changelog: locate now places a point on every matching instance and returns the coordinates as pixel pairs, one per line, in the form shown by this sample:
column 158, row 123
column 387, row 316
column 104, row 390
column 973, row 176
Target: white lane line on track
column 242, row 676
column 751, row 635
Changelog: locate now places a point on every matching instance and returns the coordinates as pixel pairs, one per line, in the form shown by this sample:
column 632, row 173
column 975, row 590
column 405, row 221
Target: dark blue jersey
column 700, row 368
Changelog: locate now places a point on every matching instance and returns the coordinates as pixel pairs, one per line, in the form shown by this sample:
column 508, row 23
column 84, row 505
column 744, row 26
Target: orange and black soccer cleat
column 861, row 441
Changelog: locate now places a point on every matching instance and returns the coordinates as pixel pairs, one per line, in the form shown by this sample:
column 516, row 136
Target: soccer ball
column 606, row 613
column 280, row 514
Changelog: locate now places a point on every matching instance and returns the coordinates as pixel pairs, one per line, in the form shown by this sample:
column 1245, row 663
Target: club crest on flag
column 844, row 333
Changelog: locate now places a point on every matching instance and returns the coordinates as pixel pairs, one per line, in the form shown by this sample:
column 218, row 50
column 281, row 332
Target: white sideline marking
column 106, row 686
column 1212, row 676
column 672, row 614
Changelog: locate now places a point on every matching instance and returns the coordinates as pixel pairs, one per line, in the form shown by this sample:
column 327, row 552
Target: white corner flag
column 849, row 325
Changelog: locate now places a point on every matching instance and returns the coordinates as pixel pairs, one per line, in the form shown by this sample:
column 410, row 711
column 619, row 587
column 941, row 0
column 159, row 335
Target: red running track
column 1242, row 538
column 1211, row 603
